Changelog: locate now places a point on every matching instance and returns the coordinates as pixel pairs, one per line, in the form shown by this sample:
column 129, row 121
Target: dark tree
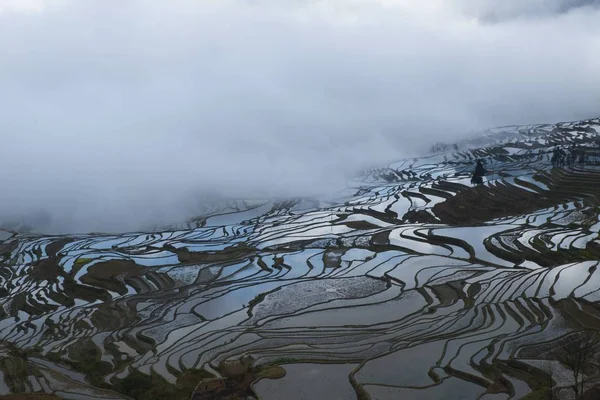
column 478, row 174
column 577, row 352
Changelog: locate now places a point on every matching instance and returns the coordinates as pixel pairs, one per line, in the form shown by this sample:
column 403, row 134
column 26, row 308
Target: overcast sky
column 114, row 113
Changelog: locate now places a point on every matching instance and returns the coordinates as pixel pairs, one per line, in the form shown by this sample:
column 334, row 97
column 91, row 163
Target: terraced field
column 411, row 284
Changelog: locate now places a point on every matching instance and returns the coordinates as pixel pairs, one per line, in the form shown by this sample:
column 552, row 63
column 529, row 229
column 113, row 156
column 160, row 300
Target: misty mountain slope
column 409, row 283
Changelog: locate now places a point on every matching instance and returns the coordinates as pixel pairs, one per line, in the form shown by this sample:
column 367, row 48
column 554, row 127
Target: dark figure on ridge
column 558, row 157
column 477, row 178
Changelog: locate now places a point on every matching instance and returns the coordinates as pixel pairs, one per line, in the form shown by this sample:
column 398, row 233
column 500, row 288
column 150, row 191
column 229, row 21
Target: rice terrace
column 410, row 284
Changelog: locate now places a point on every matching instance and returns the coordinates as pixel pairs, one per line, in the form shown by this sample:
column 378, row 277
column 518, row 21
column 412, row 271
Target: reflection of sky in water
column 582, row 242
column 392, row 310
column 475, row 236
column 450, row 388
column 513, row 150
column 157, row 259
column 233, row 300
column 573, row 276
column 309, row 381
column 403, row 367
column 237, row 217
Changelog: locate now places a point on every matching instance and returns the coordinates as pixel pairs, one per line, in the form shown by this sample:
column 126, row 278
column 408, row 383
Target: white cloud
column 112, row 113
column 22, row 6
column 498, row 10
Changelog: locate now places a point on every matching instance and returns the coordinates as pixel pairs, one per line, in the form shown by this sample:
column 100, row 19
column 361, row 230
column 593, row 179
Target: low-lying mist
column 119, row 115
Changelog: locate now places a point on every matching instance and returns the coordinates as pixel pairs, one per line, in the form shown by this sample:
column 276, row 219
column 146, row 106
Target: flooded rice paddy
column 413, row 284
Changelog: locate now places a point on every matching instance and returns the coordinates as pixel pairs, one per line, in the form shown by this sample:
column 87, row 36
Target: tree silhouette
column 577, row 353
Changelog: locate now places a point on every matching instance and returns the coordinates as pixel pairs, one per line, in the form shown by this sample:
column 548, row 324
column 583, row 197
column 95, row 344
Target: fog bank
column 114, row 115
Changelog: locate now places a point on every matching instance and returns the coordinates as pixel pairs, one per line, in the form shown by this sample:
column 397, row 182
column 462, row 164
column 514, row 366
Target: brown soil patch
column 111, row 274
column 474, row 206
